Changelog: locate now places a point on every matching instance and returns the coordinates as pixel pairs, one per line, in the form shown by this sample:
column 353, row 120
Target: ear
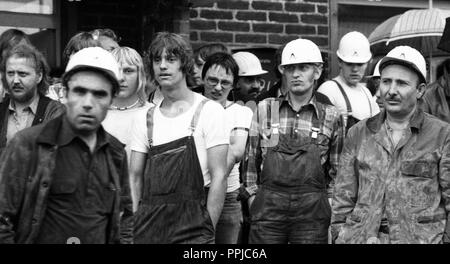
column 281, row 69
column 39, row 77
column 317, row 71
column 421, row 90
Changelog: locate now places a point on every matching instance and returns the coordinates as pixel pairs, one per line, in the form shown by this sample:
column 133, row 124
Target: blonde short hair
column 131, row 56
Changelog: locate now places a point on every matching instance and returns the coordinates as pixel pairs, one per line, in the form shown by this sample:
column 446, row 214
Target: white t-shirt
column 239, row 117
column 211, row 130
column 362, row 103
column 119, row 124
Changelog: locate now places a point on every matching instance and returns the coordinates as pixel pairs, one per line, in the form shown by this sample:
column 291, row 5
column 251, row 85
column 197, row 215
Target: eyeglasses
column 214, row 81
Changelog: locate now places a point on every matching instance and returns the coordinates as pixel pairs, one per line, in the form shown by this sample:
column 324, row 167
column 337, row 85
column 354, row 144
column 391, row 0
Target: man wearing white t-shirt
column 352, row 99
column 220, row 75
column 177, row 150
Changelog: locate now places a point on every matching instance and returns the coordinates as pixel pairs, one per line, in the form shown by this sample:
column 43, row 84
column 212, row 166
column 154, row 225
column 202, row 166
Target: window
column 40, row 19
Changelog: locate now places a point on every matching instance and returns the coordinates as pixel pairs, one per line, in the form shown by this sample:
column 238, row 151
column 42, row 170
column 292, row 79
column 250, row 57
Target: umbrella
column 444, row 43
column 418, row 28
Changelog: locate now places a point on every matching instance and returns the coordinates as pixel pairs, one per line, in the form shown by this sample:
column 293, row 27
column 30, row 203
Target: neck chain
column 390, row 132
column 124, row 108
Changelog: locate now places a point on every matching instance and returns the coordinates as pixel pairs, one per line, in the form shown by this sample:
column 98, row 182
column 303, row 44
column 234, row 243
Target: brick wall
column 256, row 23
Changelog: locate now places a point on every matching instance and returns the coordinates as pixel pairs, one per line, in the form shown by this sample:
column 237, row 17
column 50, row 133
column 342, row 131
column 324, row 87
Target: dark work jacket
column 26, row 173
column 47, row 109
column 436, row 99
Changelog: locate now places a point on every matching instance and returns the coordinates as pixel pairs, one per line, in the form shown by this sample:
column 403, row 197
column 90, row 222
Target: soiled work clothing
column 407, row 185
column 27, row 170
column 292, row 152
column 80, row 200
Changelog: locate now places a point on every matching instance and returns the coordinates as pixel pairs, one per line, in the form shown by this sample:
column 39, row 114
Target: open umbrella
column 444, row 43
column 418, row 28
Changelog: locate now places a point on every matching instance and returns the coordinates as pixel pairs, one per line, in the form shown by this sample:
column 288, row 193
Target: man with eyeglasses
column 220, row 74
column 250, row 80
column 293, row 153
column 345, row 91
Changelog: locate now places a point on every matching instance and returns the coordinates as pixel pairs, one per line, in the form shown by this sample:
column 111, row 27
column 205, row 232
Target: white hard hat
column 93, row 58
column 249, row 64
column 354, row 47
column 376, row 71
column 301, row 51
column 407, row 56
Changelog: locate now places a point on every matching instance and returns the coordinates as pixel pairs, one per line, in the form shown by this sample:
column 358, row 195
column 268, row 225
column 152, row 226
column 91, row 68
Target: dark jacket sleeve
column 54, row 109
column 13, row 175
column 126, row 205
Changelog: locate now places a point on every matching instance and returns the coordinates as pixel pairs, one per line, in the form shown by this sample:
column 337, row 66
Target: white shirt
column 238, row 117
column 211, row 130
column 119, row 124
column 362, row 103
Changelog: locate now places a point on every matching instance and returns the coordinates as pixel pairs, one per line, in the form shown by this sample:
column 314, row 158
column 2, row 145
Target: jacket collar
column 32, row 106
column 374, row 123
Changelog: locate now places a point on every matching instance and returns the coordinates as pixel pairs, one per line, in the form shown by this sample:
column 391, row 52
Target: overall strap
column 316, row 123
column 196, row 116
column 347, row 102
column 40, row 111
column 368, row 101
column 271, row 116
column 275, row 115
column 150, row 114
column 270, row 122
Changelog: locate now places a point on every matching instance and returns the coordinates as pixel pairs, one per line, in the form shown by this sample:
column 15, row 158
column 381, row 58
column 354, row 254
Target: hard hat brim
column 391, row 60
column 254, row 73
column 353, row 60
column 78, row 68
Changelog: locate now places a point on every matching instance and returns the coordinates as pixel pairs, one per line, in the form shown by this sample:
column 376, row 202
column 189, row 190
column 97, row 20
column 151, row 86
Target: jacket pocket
column 418, row 168
column 425, row 219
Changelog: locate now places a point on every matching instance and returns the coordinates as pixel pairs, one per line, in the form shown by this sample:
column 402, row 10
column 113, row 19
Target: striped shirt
column 295, row 124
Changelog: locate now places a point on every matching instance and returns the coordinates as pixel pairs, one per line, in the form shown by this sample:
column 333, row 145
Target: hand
column 250, row 201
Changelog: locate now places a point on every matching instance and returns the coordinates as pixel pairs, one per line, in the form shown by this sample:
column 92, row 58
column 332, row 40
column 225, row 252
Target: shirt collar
column 312, row 102
column 67, row 135
column 32, row 106
column 374, row 123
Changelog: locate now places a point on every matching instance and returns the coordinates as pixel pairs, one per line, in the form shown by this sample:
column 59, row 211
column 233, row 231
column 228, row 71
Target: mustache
column 16, row 86
column 392, row 98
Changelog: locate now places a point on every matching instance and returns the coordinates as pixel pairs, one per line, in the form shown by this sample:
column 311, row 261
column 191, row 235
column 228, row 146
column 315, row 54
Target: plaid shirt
column 294, row 124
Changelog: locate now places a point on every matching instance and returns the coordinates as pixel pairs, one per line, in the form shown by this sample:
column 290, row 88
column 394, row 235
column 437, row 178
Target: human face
column 399, row 90
column 198, row 68
column 22, row 79
column 129, row 80
column 167, row 69
column 352, row 72
column 107, row 43
column 300, row 77
column 248, row 87
column 218, row 83
column 88, row 99
column 379, row 101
